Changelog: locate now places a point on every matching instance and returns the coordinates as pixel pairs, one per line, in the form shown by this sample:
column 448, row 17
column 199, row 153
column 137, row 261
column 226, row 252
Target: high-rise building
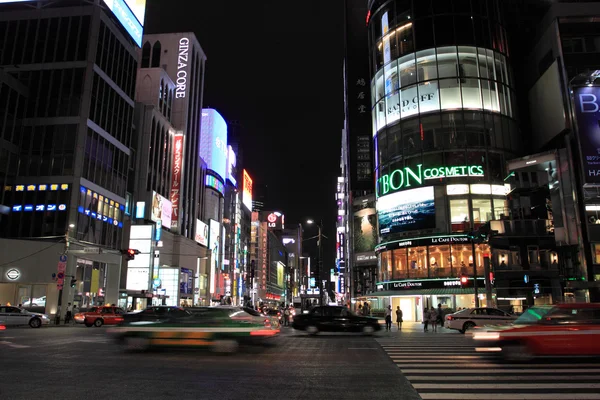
column 444, row 125
column 176, row 272
column 69, row 68
column 292, row 241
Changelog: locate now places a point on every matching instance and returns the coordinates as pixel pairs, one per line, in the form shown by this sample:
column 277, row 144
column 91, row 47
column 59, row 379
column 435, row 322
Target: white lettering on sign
column 451, row 283
column 407, row 284
column 182, row 60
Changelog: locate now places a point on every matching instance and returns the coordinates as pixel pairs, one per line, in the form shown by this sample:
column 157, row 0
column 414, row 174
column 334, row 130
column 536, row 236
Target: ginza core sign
column 182, row 60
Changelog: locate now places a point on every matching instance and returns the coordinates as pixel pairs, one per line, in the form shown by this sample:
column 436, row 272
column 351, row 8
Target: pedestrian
column 287, row 316
column 440, row 315
column 360, row 309
column 20, row 305
column 388, row 318
column 426, row 316
column 69, row 314
column 367, row 309
column 399, row 317
column 433, row 319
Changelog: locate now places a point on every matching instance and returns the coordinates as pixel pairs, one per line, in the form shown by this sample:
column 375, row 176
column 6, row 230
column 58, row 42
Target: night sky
column 276, row 67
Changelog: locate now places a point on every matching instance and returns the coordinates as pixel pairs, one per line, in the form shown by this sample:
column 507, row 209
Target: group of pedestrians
column 388, row 318
column 433, row 317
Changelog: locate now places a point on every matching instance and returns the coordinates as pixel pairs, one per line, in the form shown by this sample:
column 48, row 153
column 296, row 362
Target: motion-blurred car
column 12, row 316
column 560, row 330
column 469, row 318
column 222, row 329
column 39, row 302
column 98, row 316
column 334, row 319
column 152, row 313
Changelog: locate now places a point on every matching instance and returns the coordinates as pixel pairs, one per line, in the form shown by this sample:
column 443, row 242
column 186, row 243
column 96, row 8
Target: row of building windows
column 12, row 110
column 165, row 100
column 459, row 62
column 105, row 164
column 160, row 160
column 93, row 230
column 47, row 150
column 111, row 111
column 151, row 55
column 428, row 33
column 53, row 92
column 47, row 40
column 116, row 61
column 443, row 261
column 446, row 131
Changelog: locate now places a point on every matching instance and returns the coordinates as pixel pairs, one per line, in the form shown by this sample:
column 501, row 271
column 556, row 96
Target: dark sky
column 276, row 67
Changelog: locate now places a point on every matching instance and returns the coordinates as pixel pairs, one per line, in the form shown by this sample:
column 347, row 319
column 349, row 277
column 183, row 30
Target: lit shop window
column 100, row 207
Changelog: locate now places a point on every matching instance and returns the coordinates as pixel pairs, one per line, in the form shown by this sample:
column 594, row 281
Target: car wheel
column 516, row 352
column 368, row 330
column 98, row 323
column 467, row 326
column 136, row 343
column 35, row 322
column 312, row 330
column 225, row 346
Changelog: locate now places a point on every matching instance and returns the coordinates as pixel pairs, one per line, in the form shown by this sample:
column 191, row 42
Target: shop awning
column 425, row 292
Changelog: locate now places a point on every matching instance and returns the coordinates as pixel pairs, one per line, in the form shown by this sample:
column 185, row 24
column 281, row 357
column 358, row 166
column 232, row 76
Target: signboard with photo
column 161, row 210
column 408, row 210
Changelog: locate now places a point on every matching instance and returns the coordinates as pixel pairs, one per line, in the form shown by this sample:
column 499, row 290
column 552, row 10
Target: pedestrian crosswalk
column 446, row 366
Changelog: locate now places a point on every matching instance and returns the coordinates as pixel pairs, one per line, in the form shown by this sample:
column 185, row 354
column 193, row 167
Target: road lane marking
column 15, row 346
column 510, row 396
column 470, row 377
column 418, row 368
column 475, row 386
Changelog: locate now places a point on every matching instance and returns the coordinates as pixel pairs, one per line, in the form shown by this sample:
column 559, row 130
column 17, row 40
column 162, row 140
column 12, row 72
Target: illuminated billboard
column 231, row 164
column 128, row 18
column 161, row 210
column 201, row 233
column 214, row 238
column 274, row 219
column 587, row 111
column 406, row 211
column 214, row 183
column 176, row 179
column 280, row 274
column 247, row 190
column 213, row 141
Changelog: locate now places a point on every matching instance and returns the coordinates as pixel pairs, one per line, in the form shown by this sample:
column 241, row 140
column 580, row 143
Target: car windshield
column 532, row 315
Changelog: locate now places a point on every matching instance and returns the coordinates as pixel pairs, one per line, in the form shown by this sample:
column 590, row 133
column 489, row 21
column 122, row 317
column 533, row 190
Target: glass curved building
column 444, row 124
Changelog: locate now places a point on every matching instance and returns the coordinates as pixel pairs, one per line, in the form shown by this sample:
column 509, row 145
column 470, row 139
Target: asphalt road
column 79, row 363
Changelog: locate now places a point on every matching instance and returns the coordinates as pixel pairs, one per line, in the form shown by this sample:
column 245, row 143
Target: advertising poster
column 408, row 210
column 185, row 281
column 365, row 231
column 587, row 112
column 280, row 274
column 201, row 233
column 247, row 190
column 176, row 180
column 161, row 210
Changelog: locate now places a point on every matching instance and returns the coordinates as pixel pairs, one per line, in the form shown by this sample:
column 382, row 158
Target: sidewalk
column 414, row 327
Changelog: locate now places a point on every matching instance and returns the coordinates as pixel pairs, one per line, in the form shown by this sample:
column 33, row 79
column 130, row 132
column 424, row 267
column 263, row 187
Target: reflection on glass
column 417, row 262
column 440, row 262
column 400, row 264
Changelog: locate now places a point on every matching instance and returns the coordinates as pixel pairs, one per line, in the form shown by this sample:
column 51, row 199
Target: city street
column 78, row 362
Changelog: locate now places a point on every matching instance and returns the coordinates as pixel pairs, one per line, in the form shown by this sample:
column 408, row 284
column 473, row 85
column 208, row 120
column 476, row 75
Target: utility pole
column 64, row 257
column 474, row 270
column 320, row 264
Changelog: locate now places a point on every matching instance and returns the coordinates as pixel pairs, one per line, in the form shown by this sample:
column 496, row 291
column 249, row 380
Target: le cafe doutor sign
column 428, row 284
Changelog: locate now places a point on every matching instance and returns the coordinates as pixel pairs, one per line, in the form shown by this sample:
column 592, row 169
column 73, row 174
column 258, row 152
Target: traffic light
column 464, row 280
column 73, row 282
column 130, row 253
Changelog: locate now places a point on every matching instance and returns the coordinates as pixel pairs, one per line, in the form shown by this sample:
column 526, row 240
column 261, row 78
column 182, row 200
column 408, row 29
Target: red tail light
column 2, row 328
column 449, row 317
column 267, row 323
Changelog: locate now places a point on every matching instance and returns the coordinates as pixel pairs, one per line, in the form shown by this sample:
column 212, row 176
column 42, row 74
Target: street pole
column 319, row 266
column 60, row 292
column 474, row 271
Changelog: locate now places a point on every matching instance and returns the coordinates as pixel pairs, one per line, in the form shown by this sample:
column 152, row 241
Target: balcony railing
column 523, row 227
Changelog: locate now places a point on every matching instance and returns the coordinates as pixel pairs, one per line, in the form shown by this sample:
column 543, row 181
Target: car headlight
column 44, row 316
column 486, row 336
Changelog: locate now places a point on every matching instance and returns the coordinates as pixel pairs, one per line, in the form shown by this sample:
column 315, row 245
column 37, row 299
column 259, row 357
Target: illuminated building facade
column 443, row 125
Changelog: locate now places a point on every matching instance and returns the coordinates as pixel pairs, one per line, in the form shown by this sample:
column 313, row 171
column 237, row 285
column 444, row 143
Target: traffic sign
column 63, row 258
column 91, row 250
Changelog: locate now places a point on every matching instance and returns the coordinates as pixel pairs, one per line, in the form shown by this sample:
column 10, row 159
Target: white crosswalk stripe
column 447, row 367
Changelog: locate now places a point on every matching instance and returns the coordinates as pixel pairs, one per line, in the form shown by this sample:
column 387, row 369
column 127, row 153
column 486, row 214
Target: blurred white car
column 39, row 302
column 469, row 318
column 11, row 316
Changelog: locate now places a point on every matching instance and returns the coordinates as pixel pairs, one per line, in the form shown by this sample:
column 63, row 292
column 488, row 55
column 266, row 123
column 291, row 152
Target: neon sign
column 407, row 177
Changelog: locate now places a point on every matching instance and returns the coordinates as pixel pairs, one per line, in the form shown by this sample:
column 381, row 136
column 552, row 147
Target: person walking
column 426, row 317
column 433, row 319
column 69, row 314
column 440, row 315
column 399, row 317
column 366, row 309
column 388, row 318
column 286, row 313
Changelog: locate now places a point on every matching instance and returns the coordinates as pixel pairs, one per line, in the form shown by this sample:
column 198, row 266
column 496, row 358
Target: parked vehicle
column 469, row 318
column 12, row 316
column 98, row 316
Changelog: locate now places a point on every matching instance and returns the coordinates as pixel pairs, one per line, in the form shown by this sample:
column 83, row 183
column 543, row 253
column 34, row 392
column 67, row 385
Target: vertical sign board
column 358, row 104
column 60, row 271
column 176, row 180
column 587, row 112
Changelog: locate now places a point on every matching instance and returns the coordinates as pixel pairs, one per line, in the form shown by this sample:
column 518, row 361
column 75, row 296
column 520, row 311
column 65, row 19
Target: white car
column 466, row 319
column 39, row 302
column 11, row 316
